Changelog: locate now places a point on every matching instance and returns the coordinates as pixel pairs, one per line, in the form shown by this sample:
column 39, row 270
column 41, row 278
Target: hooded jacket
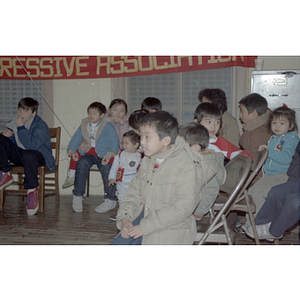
column 36, row 137
column 168, row 197
column 210, row 191
column 281, row 150
column 256, row 133
column 106, row 138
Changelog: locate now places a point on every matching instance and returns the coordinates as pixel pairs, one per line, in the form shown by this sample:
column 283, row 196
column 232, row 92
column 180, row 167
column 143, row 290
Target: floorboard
column 60, row 225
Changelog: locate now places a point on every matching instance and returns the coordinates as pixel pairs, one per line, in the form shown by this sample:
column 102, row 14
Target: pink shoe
column 32, row 204
column 5, row 179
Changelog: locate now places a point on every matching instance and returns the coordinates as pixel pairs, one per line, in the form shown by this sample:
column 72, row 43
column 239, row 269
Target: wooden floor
column 60, row 225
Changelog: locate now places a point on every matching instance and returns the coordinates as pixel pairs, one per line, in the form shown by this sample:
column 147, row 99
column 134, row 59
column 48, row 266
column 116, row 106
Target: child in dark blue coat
column 26, row 142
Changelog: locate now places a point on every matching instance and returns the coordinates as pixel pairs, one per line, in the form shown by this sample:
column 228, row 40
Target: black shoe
column 239, row 230
column 113, row 218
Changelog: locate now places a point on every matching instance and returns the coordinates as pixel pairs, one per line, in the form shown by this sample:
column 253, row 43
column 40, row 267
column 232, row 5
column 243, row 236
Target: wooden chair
column 48, row 181
column 237, row 172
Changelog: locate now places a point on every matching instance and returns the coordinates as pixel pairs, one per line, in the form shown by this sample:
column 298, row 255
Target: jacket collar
column 257, row 122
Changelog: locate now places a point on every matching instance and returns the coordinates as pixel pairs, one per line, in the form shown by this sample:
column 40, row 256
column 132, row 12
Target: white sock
column 72, row 173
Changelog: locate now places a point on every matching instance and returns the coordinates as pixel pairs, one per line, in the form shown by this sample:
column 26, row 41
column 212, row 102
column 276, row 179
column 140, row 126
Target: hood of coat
column 84, row 128
column 257, row 122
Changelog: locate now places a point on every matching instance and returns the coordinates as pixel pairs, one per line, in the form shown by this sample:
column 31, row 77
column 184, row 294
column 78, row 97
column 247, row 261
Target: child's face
column 26, row 114
column 128, row 146
column 94, row 115
column 245, row 117
column 280, row 126
column 117, row 112
column 211, row 124
column 150, row 142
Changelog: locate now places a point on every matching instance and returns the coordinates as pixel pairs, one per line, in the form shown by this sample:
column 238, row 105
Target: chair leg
column 1, row 199
column 41, row 190
column 251, row 218
column 56, row 185
column 226, row 230
column 88, row 185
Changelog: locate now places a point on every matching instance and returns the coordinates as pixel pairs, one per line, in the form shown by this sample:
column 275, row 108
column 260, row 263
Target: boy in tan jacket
column 158, row 206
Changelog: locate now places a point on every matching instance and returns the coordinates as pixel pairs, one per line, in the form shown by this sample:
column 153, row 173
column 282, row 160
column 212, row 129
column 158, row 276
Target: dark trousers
column 82, row 170
column 31, row 160
column 282, row 207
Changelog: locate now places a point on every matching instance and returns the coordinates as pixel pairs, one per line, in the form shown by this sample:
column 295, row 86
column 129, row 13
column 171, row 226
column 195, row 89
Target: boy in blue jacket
column 96, row 141
column 26, row 142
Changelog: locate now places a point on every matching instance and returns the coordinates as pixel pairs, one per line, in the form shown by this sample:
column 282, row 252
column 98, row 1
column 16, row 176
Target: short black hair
column 135, row 118
column 255, row 101
column 151, row 103
column 195, row 134
column 207, row 109
column 99, row 106
column 284, row 111
column 118, row 101
column 165, row 124
column 29, row 103
column 216, row 96
column 133, row 137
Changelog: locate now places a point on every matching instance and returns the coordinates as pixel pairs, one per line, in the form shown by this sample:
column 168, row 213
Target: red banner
column 80, row 67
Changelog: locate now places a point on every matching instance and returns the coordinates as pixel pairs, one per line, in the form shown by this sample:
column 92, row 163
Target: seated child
column 151, row 104
column 197, row 137
column 135, row 118
column 160, row 200
column 125, row 165
column 281, row 209
column 26, row 142
column 229, row 126
column 209, row 115
column 281, row 148
column 101, row 138
column 254, row 115
column 117, row 112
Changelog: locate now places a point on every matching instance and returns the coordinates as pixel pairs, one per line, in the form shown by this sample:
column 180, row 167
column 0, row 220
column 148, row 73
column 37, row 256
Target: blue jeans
column 282, row 207
column 82, row 170
column 119, row 240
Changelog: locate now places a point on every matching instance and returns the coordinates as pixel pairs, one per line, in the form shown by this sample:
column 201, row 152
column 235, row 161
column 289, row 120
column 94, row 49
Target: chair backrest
column 237, row 171
column 258, row 160
column 55, row 142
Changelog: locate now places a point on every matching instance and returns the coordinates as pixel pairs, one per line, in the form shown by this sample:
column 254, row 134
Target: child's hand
column 112, row 182
column 261, row 147
column 7, row 133
column 83, row 146
column 118, row 120
column 70, row 152
column 19, row 121
column 125, row 226
column 135, row 231
column 105, row 160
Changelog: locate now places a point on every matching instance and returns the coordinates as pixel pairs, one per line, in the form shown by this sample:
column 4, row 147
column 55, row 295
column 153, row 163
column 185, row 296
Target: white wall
column 70, row 101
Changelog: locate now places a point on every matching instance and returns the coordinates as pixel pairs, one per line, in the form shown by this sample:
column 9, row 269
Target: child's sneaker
column 113, row 217
column 77, row 203
column 5, row 179
column 69, row 182
column 32, row 203
column 262, row 232
column 106, row 206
